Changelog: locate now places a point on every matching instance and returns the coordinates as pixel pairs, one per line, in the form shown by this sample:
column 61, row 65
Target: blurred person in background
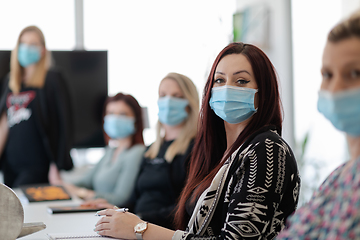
column 333, row 212
column 163, row 172
column 113, row 177
column 35, row 116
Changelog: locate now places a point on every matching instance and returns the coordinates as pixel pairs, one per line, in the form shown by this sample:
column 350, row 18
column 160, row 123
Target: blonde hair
column 16, row 70
column 181, row 144
column 347, row 28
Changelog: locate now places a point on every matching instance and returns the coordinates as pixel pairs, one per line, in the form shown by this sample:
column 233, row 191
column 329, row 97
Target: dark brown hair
column 210, row 144
column 134, row 105
column 347, row 28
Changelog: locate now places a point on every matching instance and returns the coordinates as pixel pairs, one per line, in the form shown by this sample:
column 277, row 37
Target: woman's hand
column 54, row 175
column 87, row 194
column 82, row 193
column 117, row 224
column 4, row 129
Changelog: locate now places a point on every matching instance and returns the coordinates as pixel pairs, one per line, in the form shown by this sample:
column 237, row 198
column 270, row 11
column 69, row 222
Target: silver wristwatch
column 139, row 229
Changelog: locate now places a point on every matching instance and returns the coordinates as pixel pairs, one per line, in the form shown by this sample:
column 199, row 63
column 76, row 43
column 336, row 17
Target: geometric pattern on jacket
column 251, row 196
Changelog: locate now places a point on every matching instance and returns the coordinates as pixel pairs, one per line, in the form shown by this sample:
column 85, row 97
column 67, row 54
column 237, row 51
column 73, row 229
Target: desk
column 55, row 223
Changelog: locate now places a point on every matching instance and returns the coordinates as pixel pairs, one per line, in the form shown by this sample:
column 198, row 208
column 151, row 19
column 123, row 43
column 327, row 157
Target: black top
column 158, row 187
column 40, row 125
column 23, row 133
column 260, row 191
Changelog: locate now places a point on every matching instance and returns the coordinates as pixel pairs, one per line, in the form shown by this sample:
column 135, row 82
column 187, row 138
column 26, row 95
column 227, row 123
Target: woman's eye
column 355, row 73
column 242, row 81
column 326, row 75
column 218, row 80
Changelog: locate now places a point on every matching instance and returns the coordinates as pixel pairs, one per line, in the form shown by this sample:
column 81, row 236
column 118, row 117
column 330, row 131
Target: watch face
column 141, row 227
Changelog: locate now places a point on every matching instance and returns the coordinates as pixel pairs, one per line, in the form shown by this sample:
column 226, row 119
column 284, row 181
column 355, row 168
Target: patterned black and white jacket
column 251, row 196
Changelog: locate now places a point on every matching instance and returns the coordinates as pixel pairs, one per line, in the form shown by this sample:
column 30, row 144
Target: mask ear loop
column 256, row 94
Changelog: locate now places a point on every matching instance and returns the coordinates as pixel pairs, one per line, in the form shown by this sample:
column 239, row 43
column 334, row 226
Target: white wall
column 280, row 53
column 54, row 18
column 325, row 146
column 348, row 6
column 148, row 39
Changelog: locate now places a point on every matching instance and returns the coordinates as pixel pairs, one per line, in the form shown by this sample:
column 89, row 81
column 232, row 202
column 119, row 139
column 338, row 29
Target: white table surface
column 55, row 223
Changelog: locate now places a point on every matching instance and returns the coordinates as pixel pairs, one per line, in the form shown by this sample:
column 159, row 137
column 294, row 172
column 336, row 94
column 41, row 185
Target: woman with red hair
column 243, row 178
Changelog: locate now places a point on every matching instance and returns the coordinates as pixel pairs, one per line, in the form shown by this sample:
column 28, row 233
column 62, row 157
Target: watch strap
column 140, row 233
column 138, row 236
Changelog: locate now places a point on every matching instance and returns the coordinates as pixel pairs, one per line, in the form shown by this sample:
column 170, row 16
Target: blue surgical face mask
column 28, row 54
column 233, row 104
column 172, row 111
column 342, row 109
column 118, row 126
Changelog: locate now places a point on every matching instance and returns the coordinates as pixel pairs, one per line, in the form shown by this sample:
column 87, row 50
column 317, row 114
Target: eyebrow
column 235, row 73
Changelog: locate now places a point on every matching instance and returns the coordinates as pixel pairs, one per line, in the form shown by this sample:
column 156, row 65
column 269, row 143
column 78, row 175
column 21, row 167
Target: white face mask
column 172, row 111
column 117, row 126
column 233, row 104
column 342, row 109
column 28, row 55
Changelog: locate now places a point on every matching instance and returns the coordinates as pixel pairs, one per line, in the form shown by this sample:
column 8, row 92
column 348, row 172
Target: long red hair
column 210, row 144
column 137, row 137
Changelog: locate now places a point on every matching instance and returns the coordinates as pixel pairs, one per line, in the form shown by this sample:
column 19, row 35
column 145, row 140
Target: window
column 147, row 39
